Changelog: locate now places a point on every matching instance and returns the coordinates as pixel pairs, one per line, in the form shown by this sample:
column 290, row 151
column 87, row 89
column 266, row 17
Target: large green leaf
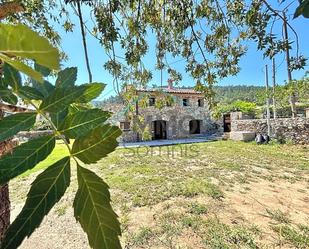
column 58, row 117
column 28, row 92
column 3, row 83
column 46, row 190
column 81, row 122
column 25, row 157
column 11, row 99
column 93, row 211
column 91, row 91
column 11, row 125
column 7, row 96
column 45, row 87
column 41, row 69
column 96, row 144
column 67, row 77
column 302, row 9
column 76, row 107
column 12, row 76
column 22, row 67
column 21, row 41
column 61, row 98
column 4, row 91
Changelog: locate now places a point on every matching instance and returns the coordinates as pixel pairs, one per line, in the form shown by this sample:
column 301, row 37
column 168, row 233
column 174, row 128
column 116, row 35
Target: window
column 152, row 101
column 185, row 102
column 200, row 102
column 125, row 126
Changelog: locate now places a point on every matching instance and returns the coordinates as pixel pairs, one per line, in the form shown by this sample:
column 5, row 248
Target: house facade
column 187, row 116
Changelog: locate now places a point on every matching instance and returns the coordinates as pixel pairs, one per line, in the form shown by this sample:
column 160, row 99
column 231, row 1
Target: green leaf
column 28, row 92
column 45, row 88
column 25, row 157
column 11, row 125
column 58, row 117
column 7, row 96
column 92, row 90
column 67, row 77
column 21, row 41
column 61, row 98
column 45, row 192
column 92, row 209
column 302, row 9
column 10, row 98
column 4, row 91
column 3, row 83
column 11, row 76
column 41, row 69
column 81, row 122
column 75, row 107
column 22, row 67
column 96, row 144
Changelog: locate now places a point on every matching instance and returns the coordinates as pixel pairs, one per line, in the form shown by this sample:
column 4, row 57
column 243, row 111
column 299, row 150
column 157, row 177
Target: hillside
column 224, row 94
column 229, row 94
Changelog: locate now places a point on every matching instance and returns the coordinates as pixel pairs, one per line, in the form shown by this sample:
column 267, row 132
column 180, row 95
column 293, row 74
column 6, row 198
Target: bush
column 242, row 106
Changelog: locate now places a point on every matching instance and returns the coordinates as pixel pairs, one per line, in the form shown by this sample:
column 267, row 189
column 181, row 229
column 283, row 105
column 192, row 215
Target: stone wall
column 284, row 129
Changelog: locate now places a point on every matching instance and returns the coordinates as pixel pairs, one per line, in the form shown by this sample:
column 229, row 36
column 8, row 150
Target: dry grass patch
column 211, row 195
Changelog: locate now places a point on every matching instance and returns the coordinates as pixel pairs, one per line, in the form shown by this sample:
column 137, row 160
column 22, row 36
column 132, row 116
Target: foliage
column 302, row 9
column 64, row 107
column 178, row 31
column 283, row 92
column 230, row 94
column 14, row 42
column 146, row 136
column 242, row 106
column 45, row 192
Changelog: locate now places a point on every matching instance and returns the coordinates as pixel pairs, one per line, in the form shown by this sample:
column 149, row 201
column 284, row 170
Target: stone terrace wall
column 283, row 129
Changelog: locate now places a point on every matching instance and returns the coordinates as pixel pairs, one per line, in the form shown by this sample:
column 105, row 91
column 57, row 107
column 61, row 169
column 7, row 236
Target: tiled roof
column 171, row 90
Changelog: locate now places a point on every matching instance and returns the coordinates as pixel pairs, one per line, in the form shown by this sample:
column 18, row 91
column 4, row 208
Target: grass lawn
column 220, row 194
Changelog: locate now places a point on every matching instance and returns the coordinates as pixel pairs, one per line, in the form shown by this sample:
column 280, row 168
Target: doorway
column 159, row 129
column 195, row 126
column 227, row 122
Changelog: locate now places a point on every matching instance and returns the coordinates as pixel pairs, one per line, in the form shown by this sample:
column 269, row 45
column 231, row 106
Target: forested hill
column 229, row 94
column 224, row 94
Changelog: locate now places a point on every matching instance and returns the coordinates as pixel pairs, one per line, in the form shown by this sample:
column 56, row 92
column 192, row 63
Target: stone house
column 187, row 116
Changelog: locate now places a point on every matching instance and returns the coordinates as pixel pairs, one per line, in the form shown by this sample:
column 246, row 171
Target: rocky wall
column 295, row 130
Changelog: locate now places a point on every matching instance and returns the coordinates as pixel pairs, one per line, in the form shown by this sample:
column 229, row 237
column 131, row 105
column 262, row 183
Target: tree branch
column 276, row 12
column 84, row 40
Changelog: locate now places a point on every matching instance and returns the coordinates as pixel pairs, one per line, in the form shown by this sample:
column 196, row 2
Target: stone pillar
column 307, row 112
column 236, row 116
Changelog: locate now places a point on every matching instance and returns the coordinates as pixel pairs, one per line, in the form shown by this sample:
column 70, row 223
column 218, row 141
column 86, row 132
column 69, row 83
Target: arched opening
column 195, row 126
column 159, row 129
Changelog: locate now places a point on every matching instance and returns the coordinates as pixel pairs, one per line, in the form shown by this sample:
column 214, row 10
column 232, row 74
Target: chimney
column 170, row 84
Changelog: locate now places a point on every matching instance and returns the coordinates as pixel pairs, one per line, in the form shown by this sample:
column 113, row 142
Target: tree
column 63, row 106
column 241, row 106
column 209, row 36
column 6, row 147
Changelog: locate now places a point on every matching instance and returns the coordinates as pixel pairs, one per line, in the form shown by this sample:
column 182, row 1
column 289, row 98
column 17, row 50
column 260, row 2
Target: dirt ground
column 218, row 195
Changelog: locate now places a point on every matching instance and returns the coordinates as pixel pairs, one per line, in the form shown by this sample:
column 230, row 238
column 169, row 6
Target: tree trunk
column 4, row 209
column 5, row 147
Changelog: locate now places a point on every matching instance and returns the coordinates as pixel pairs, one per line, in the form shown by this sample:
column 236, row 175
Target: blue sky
column 252, row 64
